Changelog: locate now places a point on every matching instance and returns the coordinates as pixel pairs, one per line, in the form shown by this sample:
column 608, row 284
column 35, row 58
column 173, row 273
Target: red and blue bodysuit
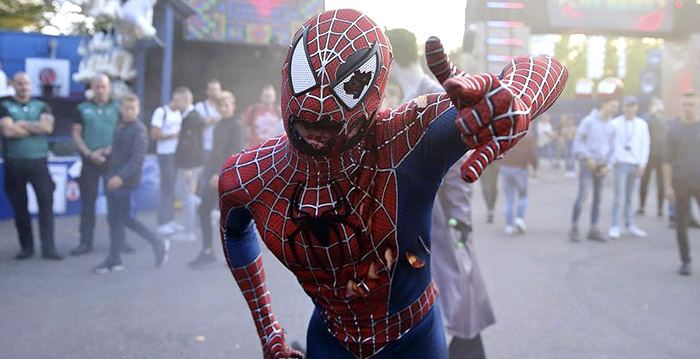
column 344, row 199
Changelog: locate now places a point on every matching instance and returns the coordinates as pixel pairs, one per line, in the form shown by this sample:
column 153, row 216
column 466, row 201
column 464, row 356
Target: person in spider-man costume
column 344, row 199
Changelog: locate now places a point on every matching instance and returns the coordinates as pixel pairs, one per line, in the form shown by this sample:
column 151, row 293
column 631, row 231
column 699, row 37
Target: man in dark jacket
column 228, row 138
column 128, row 150
column 189, row 157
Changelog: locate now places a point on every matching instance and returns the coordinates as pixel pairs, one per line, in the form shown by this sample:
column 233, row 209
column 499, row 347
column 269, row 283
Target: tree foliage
column 24, row 14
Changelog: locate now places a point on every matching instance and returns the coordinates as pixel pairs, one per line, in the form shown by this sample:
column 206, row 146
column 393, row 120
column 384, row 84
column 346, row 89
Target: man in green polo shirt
column 25, row 123
column 93, row 132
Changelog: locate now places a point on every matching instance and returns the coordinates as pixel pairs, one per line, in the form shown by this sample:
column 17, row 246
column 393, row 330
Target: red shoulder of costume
column 399, row 130
column 245, row 174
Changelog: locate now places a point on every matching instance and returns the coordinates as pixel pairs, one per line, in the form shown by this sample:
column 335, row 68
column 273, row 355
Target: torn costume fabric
column 344, row 199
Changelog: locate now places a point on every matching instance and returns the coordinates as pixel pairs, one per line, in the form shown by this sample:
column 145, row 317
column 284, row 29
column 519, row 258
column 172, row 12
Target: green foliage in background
column 573, row 54
column 24, row 14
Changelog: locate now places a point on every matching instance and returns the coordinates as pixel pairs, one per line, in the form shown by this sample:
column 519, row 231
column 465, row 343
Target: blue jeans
column 588, row 179
column 625, row 184
column 168, row 173
column 514, row 179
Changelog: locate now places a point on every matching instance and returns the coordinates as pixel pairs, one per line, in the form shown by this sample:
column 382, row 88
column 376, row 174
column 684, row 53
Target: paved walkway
column 552, row 298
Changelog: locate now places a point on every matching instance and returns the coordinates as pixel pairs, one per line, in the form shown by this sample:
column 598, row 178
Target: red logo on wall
column 47, row 77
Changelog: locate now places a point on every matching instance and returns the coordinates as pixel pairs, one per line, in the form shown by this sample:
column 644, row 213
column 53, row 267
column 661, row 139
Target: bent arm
column 77, row 135
column 11, row 129
column 240, row 243
column 43, row 127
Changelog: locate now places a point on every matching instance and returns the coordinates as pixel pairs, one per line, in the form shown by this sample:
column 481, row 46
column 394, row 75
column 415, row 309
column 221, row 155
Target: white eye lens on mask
column 301, row 75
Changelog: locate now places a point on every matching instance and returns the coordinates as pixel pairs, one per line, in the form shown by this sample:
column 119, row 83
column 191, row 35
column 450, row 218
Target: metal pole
column 167, row 70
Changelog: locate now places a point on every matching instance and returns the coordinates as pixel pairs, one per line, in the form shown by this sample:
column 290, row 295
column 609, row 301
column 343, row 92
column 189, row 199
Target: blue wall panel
column 15, row 47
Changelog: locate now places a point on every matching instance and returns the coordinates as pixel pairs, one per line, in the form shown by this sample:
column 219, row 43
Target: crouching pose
column 344, row 199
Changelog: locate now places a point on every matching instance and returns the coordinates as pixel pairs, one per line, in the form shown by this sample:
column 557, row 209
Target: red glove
column 251, row 280
column 495, row 111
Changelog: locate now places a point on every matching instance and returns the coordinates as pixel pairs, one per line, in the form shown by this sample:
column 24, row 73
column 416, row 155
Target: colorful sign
column 639, row 16
column 258, row 22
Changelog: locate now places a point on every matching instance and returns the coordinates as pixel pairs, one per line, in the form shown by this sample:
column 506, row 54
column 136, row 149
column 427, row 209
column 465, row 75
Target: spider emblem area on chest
column 324, row 220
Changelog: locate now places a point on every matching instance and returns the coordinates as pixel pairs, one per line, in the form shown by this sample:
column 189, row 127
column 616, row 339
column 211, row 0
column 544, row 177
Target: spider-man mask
column 333, row 81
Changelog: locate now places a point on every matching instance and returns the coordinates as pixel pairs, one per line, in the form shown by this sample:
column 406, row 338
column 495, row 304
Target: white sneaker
column 520, row 225
column 636, row 231
column 570, row 175
column 614, row 232
column 510, row 230
column 184, row 237
column 177, row 226
column 165, row 229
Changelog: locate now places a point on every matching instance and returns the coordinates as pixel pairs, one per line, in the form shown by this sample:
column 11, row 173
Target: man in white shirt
column 207, row 109
column 4, row 88
column 629, row 158
column 165, row 129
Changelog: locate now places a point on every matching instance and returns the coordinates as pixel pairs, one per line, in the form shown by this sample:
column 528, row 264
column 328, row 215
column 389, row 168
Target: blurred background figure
column 464, row 303
column 207, row 109
column 392, row 96
column 629, row 158
column 489, row 188
column 25, row 124
column 6, row 88
column 514, row 181
column 128, row 150
column 567, row 134
column 189, row 158
column 263, row 119
column 658, row 131
column 546, row 139
column 593, row 147
column 165, row 130
column 229, row 137
column 93, row 132
column 682, row 170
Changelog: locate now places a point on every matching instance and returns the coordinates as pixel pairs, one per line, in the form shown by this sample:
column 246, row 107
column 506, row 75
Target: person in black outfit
column 93, row 132
column 657, row 133
column 229, row 137
column 128, row 150
column 25, row 124
column 189, row 157
column 682, row 170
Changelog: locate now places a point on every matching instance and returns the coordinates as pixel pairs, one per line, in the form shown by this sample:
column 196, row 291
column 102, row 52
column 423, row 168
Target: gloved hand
column 496, row 111
column 275, row 346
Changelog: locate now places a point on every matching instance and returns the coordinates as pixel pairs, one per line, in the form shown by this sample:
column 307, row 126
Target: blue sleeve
column 440, row 147
column 239, row 240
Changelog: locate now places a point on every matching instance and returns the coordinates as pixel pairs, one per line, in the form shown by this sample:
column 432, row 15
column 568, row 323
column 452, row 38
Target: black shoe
column 640, row 212
column 594, row 234
column 660, row 213
column 685, row 269
column 693, row 224
column 573, row 235
column 24, row 254
column 52, row 255
column 82, row 248
column 202, row 259
column 489, row 218
column 126, row 248
column 108, row 265
column 161, row 250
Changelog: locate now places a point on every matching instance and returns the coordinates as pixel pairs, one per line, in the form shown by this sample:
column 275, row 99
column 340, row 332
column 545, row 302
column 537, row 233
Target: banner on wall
column 49, row 77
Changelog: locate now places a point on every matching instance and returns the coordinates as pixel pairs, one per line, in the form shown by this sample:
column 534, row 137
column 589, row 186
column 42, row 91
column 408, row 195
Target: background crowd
column 191, row 142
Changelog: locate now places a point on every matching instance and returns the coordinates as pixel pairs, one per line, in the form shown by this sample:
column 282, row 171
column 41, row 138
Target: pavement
column 552, row 298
